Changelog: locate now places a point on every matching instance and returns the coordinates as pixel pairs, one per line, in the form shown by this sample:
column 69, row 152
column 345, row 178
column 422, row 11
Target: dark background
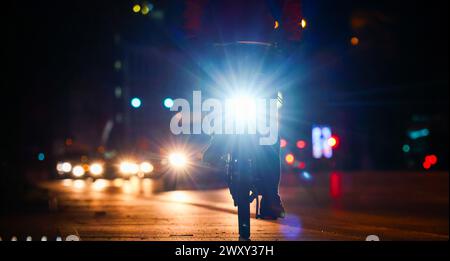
column 58, row 74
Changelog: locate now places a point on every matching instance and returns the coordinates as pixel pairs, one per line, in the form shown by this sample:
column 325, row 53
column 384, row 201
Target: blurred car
column 175, row 165
column 72, row 165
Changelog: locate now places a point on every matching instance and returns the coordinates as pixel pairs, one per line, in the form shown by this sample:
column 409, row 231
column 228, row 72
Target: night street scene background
column 87, row 87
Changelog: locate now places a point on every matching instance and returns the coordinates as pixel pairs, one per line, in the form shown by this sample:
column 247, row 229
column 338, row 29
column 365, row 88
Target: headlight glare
column 78, row 171
column 96, row 169
column 128, row 168
column 178, row 160
column 146, row 167
column 66, row 167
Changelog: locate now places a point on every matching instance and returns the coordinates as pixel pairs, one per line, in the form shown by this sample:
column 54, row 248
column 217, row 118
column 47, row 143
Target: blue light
column 306, row 175
column 406, row 148
column 136, row 102
column 416, row 134
column 41, row 156
column 320, row 146
column 292, row 228
column 168, row 103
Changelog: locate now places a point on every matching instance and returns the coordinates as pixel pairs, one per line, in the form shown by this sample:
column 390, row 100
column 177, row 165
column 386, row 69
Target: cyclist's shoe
column 272, row 211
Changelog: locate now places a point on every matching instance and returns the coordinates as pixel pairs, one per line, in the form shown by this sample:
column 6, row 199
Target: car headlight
column 146, row 167
column 78, row 171
column 128, row 168
column 59, row 167
column 96, row 169
column 178, row 160
column 63, row 167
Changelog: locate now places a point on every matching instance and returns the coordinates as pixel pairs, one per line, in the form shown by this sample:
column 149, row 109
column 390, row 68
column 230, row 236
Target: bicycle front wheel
column 243, row 198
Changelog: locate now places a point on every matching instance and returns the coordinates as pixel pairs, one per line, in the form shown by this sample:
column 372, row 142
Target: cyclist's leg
column 269, row 169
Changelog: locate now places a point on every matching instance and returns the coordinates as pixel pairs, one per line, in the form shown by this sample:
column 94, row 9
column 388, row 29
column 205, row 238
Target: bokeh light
column 290, row 159
column 41, row 156
column 136, row 8
column 301, row 165
column 406, row 148
column 145, row 10
column 426, row 165
column 96, row 169
column 432, row 159
column 66, row 167
column 303, row 24
column 301, row 144
column 306, row 175
column 136, row 102
column 333, row 142
column 283, row 143
column 78, row 171
column 168, row 103
column 146, row 167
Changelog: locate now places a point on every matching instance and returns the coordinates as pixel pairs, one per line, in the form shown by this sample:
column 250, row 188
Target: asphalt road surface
column 325, row 206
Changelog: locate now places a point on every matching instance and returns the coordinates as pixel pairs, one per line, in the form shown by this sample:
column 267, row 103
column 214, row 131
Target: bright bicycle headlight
column 244, row 108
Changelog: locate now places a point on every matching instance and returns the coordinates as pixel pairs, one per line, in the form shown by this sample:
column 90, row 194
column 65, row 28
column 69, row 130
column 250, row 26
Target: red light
column 426, row 165
column 301, row 144
column 333, row 142
column 335, row 185
column 283, row 143
column 301, row 165
column 290, row 159
column 432, row 159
